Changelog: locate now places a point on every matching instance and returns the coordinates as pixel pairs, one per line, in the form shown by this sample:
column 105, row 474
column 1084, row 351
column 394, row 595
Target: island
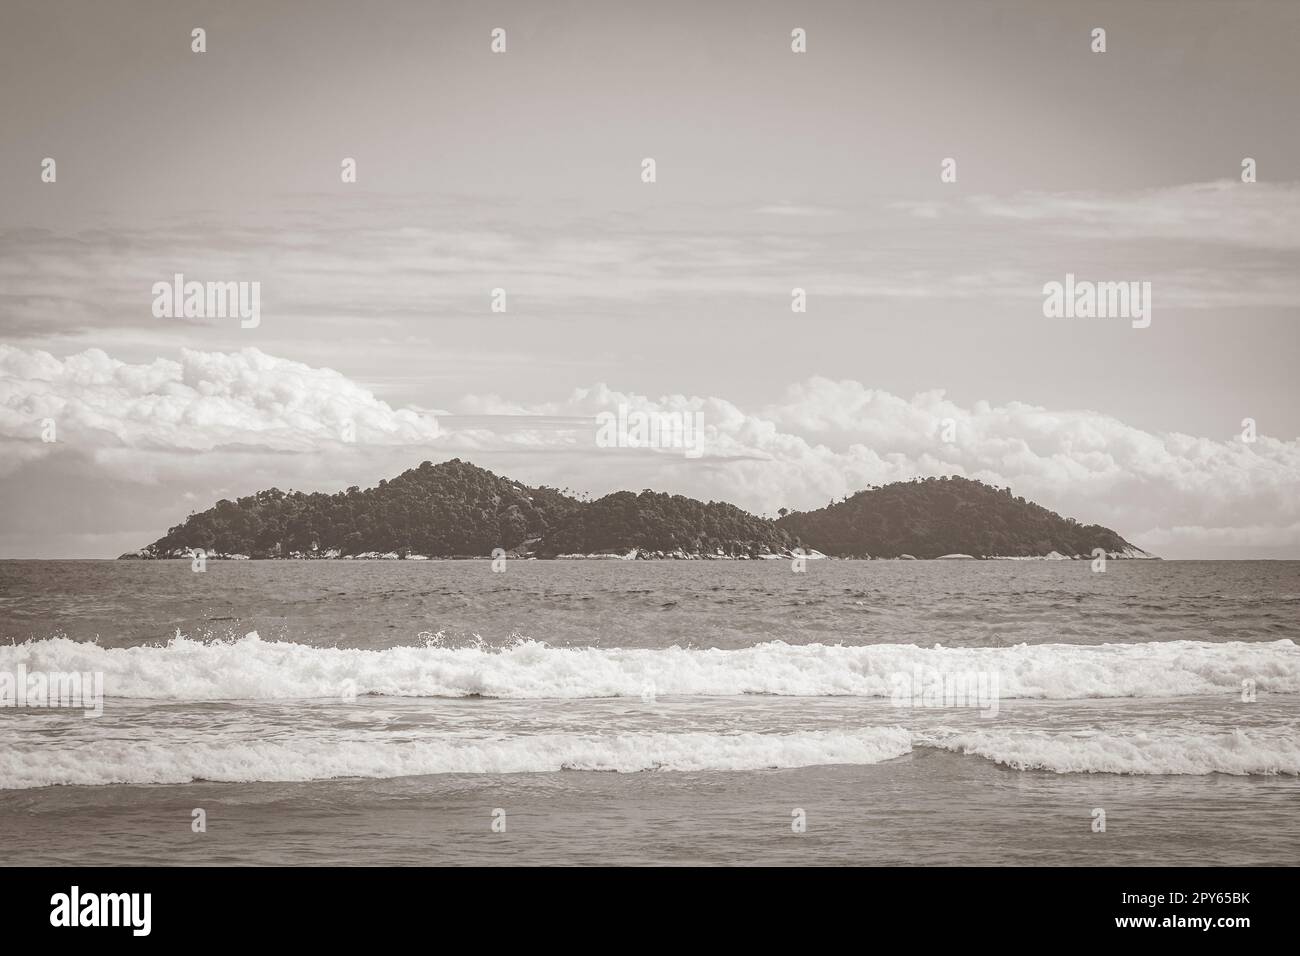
column 457, row 510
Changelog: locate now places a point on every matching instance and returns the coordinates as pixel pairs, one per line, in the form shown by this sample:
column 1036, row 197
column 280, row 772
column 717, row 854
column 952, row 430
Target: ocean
column 655, row 712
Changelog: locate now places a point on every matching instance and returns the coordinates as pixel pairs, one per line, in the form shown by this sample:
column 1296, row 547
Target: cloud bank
column 215, row 423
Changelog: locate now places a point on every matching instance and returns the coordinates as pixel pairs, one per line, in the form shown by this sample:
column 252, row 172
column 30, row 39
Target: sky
column 774, row 170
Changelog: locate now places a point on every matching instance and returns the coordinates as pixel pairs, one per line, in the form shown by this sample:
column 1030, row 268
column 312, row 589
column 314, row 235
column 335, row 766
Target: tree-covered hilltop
column 457, row 509
column 452, row 508
column 931, row 517
column 659, row 522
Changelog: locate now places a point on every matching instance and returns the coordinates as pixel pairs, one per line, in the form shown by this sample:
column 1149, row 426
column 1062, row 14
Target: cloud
column 204, row 401
column 1203, row 246
column 1260, row 215
column 794, row 209
column 1281, row 541
column 214, row 420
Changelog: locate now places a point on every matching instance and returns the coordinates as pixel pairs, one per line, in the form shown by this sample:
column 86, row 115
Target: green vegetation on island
column 933, row 517
column 455, row 509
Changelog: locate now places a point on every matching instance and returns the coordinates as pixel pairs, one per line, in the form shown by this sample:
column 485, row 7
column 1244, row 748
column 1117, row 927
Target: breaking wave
column 317, row 758
column 294, row 758
column 1239, row 752
column 250, row 668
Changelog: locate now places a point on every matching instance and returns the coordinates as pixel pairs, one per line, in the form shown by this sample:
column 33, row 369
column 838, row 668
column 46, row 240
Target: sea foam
column 1257, row 751
column 300, row 758
column 250, row 668
column 304, row 757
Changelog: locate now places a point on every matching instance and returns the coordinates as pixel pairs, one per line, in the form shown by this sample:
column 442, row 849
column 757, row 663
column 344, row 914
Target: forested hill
column 932, row 517
column 452, row 508
column 457, row 509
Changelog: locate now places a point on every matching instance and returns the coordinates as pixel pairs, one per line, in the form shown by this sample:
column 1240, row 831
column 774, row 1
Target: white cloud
column 794, row 209
column 204, row 401
column 394, row 277
column 212, row 414
column 1224, row 212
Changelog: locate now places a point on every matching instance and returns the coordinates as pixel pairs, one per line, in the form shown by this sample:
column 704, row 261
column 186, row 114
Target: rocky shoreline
column 635, row 554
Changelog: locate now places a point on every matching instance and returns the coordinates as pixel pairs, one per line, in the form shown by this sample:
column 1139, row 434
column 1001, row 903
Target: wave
column 1266, row 751
column 315, row 758
column 250, row 668
column 1239, row 752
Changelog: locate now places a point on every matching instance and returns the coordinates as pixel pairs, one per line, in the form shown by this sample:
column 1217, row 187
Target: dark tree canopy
column 931, row 517
column 457, row 509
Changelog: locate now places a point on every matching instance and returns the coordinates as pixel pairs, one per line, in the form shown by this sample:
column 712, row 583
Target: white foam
column 251, row 668
column 1239, row 752
column 299, row 758
column 163, row 758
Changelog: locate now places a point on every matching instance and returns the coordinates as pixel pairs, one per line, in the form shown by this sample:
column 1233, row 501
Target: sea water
column 655, row 712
